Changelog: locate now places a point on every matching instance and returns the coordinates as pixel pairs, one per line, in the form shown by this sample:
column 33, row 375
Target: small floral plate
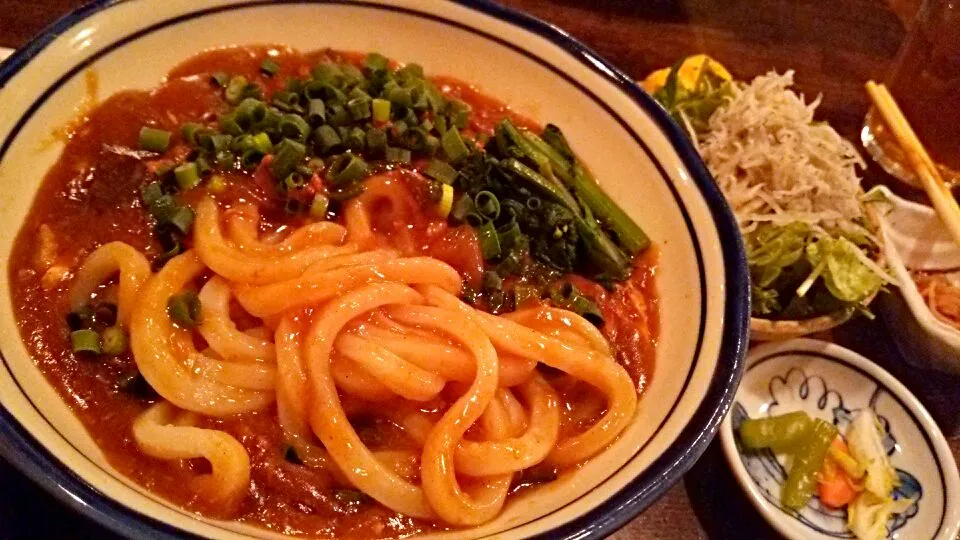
column 832, row 383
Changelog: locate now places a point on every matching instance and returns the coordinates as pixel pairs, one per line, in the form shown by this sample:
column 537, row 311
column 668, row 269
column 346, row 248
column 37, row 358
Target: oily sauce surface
column 91, row 197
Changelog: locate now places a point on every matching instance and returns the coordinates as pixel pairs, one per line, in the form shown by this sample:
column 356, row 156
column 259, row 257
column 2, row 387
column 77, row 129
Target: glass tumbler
column 925, row 81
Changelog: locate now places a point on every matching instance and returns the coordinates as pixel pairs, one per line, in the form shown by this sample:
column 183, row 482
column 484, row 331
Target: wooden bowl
column 774, row 330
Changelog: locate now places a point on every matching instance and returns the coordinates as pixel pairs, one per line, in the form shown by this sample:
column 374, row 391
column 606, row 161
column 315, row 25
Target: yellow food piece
column 688, row 75
column 446, row 200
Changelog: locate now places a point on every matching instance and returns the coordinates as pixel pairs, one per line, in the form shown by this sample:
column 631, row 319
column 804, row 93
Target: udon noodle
column 348, row 322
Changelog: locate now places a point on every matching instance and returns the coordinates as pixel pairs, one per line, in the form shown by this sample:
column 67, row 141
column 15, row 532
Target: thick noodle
column 348, row 329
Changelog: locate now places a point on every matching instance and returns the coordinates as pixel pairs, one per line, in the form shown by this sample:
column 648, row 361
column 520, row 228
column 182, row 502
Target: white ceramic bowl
column 915, row 237
column 829, row 382
column 643, row 159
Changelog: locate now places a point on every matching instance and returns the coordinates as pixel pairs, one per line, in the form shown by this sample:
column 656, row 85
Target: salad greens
column 797, row 272
column 693, row 106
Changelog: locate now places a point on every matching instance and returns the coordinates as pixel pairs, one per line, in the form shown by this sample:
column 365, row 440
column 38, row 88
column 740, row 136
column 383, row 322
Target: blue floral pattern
column 796, row 391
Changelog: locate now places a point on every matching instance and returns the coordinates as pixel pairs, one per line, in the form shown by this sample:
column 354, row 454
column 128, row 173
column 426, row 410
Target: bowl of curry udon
column 367, row 270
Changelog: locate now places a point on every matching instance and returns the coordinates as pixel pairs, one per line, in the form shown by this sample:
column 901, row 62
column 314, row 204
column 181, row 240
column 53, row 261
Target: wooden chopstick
column 920, row 161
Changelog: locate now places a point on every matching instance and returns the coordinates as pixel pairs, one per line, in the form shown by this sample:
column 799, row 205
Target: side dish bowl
column 831, row 383
column 916, row 237
column 645, row 162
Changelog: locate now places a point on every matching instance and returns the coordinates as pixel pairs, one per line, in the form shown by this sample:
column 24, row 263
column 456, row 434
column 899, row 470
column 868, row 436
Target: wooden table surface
column 834, row 46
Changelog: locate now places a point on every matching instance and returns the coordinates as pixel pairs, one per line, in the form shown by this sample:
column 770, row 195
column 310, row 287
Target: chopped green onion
column 319, row 206
column 475, row 220
column 352, row 73
column 163, row 207
column 440, row 123
column 337, row 115
column 359, row 108
column 229, row 125
column 236, row 89
column 184, row 309
column 376, row 62
column 327, row 72
column 251, row 158
column 187, row 175
column 153, row 139
column 220, row 78
column 114, row 341
column 326, row 139
column 346, row 168
column 293, row 126
column 400, row 96
column 293, row 85
column 151, row 192
column 454, row 146
column 431, row 145
column 269, row 67
column 489, row 242
column 376, row 139
column 459, row 113
column 287, row 101
column 317, row 112
column 440, row 170
column 289, row 154
column 509, row 235
column 534, row 203
column 586, row 308
column 487, row 204
column 250, row 111
column 85, row 341
column 462, row 207
column 182, row 219
column 189, row 131
column 355, row 140
column 261, row 141
column 381, row 110
column 292, row 182
column 414, row 139
column 524, row 293
column 397, row 155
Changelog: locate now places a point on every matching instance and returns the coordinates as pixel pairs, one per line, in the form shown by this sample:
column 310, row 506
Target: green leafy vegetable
column 693, row 107
column 798, row 273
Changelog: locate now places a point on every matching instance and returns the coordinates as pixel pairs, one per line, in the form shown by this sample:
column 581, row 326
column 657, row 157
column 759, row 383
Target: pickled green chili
column 783, row 433
column 807, row 461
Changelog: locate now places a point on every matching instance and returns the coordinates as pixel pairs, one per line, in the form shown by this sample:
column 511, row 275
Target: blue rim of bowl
column 28, row 455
